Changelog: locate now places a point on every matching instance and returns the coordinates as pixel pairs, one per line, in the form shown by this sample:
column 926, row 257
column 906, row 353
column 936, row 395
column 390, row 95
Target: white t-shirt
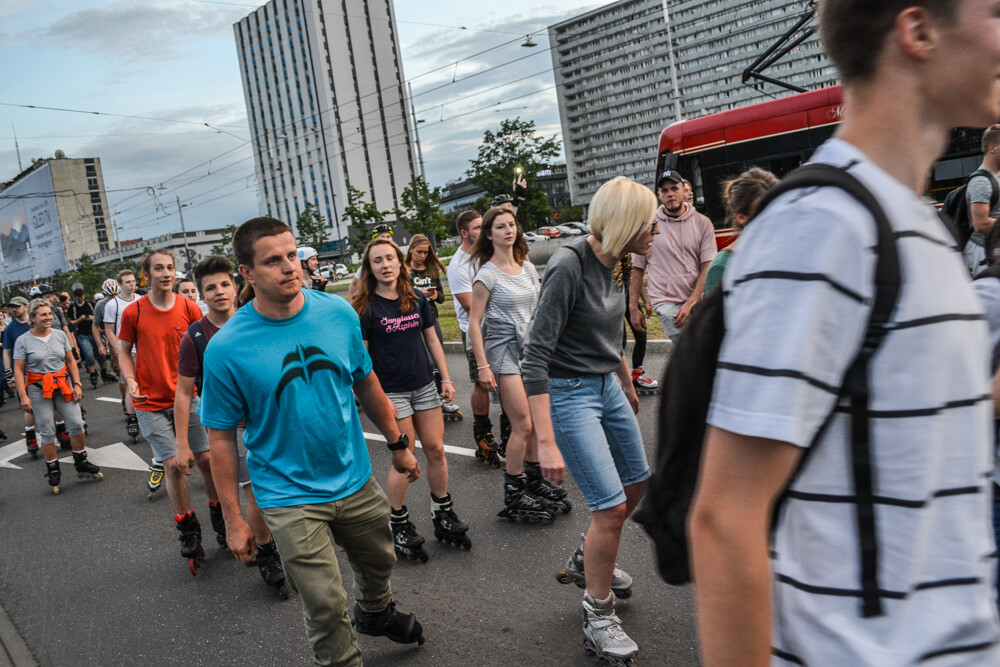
column 799, row 291
column 113, row 311
column 460, row 281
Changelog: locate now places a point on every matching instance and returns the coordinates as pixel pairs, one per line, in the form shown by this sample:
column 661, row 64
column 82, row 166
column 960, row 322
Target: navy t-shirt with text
column 396, row 343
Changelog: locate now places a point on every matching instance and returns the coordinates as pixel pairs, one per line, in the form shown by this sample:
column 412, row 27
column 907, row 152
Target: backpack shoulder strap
column 200, row 340
column 856, row 386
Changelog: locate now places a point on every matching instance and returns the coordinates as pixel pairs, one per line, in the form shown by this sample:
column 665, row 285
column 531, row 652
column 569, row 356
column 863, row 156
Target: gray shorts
column 157, row 428
column 45, row 421
column 408, row 402
column 667, row 312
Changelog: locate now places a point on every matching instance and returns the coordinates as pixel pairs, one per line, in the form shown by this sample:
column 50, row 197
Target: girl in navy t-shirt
column 398, row 328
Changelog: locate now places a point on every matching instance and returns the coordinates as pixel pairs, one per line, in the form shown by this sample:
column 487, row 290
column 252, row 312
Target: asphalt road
column 93, row 576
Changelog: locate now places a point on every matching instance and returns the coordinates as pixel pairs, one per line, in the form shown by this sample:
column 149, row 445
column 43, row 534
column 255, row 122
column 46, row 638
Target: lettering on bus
column 835, row 113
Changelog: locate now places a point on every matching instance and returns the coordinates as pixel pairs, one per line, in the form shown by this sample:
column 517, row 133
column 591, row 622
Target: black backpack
column 200, row 340
column 956, row 208
column 687, row 392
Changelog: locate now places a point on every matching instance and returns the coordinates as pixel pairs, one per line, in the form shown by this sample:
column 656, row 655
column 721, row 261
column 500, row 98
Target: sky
column 164, row 76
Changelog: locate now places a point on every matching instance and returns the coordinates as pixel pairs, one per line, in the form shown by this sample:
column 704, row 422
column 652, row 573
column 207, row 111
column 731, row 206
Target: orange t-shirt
column 157, row 335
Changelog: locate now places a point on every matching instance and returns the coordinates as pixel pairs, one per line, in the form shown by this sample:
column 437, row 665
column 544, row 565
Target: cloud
column 137, row 31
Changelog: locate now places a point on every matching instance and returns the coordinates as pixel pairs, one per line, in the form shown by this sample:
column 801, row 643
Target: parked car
column 550, row 232
column 334, row 272
column 567, row 230
column 531, row 237
column 583, row 227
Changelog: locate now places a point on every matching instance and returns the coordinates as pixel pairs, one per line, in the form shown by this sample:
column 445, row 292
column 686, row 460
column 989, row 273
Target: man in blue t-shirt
column 286, row 365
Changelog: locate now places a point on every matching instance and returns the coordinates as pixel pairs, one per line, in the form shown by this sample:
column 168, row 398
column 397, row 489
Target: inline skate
column 155, row 478
column 54, row 475
column 31, row 440
column 400, row 628
column 644, row 385
column 520, row 504
column 486, row 446
column 218, row 523
column 447, row 526
column 190, row 538
column 407, row 542
column 93, row 379
column 132, row 427
column 107, row 376
column 450, row 411
column 62, row 436
column 85, row 469
column 268, row 562
column 541, row 487
column 603, row 633
column 621, row 581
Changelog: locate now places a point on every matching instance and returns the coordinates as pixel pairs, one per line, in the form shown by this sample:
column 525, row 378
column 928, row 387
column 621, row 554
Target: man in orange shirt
column 154, row 326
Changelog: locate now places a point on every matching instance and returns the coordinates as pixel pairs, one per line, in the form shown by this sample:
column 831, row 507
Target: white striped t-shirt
column 512, row 299
column 798, row 295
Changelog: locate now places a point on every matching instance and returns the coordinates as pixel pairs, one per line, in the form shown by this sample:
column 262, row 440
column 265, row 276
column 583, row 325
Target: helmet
column 110, row 287
column 98, row 296
column 381, row 229
column 41, row 290
column 500, row 200
column 305, row 253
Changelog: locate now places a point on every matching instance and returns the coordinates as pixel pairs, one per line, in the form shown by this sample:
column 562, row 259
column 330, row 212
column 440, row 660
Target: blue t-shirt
column 291, row 381
column 14, row 331
column 396, row 343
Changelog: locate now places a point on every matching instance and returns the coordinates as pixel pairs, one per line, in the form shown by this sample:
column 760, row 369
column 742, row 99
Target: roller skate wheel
column 55, row 490
column 193, row 566
column 467, row 544
column 564, row 577
column 622, row 594
column 151, row 495
column 283, row 592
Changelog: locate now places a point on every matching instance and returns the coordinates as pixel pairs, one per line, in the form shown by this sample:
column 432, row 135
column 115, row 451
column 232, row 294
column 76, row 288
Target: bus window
column 696, row 183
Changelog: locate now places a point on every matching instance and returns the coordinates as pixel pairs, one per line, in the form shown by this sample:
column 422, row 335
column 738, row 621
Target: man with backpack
column 848, row 522
column 982, row 197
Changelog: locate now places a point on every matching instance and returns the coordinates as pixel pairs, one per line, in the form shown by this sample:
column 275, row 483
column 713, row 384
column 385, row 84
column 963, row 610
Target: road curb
column 659, row 345
column 13, row 651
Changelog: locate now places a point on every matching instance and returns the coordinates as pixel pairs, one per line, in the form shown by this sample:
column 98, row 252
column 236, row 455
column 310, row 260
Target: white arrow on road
column 117, row 455
column 10, row 452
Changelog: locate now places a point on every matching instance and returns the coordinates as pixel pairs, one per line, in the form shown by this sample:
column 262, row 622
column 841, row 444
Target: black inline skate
column 505, row 429
column 520, row 504
column 543, row 488
column 132, row 427
column 268, row 562
column 621, row 581
column 405, row 538
column 486, row 446
column 62, row 436
column 190, row 538
column 107, row 376
column 93, row 379
column 218, row 523
column 85, row 469
column 32, row 442
column 447, row 526
column 155, row 480
column 54, row 475
column 400, row 628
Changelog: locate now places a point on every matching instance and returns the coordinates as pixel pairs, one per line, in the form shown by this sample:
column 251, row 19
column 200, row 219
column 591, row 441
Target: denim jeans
column 599, row 437
column 89, row 350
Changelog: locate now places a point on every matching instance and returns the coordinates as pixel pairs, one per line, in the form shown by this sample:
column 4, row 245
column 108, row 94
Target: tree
column 225, row 245
column 517, row 145
column 313, row 230
column 421, row 212
column 363, row 216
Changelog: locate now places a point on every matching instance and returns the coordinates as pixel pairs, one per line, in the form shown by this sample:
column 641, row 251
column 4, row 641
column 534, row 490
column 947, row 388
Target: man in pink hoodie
column 677, row 262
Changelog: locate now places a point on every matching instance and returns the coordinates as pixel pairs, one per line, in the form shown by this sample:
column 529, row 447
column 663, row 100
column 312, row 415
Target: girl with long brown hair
column 398, row 329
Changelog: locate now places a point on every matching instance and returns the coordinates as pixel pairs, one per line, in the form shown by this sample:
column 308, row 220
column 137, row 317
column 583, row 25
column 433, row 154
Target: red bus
column 779, row 135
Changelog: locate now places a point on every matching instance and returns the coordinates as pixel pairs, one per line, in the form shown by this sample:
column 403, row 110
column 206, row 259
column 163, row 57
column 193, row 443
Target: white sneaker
column 603, row 630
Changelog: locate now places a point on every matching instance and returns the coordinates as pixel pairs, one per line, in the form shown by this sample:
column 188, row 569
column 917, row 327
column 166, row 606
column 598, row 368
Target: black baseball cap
column 669, row 175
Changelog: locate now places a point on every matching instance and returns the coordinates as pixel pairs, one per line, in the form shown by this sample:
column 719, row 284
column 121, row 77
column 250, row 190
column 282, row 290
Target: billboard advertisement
column 30, row 237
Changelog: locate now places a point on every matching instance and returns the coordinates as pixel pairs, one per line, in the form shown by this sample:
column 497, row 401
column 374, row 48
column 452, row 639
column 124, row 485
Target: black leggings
column 639, row 351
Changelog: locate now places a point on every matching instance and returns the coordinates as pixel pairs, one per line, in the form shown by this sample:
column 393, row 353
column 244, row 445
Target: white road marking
column 108, row 399
column 116, row 455
column 450, row 449
column 12, row 451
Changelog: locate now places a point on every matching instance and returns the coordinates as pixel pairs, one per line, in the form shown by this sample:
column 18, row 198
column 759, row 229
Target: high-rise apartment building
column 326, row 105
column 614, row 82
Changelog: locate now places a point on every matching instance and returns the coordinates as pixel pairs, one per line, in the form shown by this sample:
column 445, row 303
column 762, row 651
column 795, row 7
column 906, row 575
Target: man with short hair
column 677, row 262
column 153, row 325
column 81, row 315
column 286, row 364
column 97, row 331
column 19, row 326
column 112, row 324
column 896, row 567
column 984, row 208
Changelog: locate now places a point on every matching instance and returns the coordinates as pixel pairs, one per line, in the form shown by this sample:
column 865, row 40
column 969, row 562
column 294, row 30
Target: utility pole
column 416, row 132
column 114, row 232
column 187, row 251
column 673, row 67
column 17, row 148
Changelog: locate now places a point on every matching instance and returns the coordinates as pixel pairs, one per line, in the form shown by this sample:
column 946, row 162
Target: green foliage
column 570, row 214
column 225, row 245
column 312, row 229
column 90, row 274
column 516, row 145
column 421, row 212
column 363, row 216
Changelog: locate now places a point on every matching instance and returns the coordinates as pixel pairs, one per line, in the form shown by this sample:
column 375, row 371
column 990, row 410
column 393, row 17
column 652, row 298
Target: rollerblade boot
column 603, row 634
column 447, row 526
column 85, row 469
column 486, row 446
column 400, row 628
column 93, row 379
column 621, row 581
column 132, row 427
column 62, row 436
column 520, row 504
column 155, row 478
column 543, row 488
column 268, row 562
column 190, row 538
column 505, row 429
column 451, row 412
column 642, row 384
column 218, row 523
column 32, row 442
column 107, row 376
column 54, row 475
column 405, row 538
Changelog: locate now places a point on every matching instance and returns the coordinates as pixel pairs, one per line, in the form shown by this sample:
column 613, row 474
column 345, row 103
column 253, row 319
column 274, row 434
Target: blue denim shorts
column 599, row 437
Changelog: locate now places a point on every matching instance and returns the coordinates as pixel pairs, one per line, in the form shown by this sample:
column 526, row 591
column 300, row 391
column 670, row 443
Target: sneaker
column 400, row 628
column 603, row 630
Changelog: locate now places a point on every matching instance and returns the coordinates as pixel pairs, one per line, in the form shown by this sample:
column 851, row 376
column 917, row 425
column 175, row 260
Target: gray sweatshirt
column 577, row 327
